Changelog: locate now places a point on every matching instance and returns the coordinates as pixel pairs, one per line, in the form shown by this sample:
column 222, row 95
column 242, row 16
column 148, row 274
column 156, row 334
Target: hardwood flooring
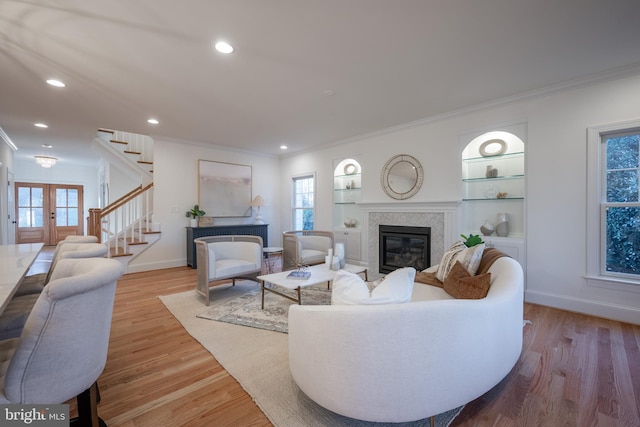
column 574, row 370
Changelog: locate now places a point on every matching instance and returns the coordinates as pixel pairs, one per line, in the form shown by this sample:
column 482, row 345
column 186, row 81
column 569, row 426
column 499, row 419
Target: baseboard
column 593, row 308
column 148, row 266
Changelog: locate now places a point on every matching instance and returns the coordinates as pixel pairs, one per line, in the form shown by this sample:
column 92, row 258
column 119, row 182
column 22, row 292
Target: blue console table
column 222, row 230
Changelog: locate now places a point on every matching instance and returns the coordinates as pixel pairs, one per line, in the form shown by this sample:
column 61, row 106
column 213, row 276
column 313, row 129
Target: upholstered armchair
column 33, row 284
column 13, row 318
column 227, row 257
column 305, row 246
column 63, row 347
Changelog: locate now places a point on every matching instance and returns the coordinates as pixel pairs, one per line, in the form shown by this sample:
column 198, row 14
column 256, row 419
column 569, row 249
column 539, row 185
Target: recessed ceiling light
column 153, row 121
column 283, row 147
column 47, row 146
column 40, row 125
column 224, row 47
column 56, row 83
column 329, row 92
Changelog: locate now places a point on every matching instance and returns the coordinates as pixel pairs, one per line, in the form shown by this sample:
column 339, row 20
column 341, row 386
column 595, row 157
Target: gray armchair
column 227, row 257
column 13, row 318
column 63, row 347
column 34, row 283
column 305, row 246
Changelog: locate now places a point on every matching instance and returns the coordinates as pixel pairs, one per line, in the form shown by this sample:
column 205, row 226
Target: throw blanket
column 489, row 256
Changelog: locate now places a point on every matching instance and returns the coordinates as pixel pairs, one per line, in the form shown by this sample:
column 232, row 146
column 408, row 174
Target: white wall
column 175, row 179
column 556, row 169
column 6, row 166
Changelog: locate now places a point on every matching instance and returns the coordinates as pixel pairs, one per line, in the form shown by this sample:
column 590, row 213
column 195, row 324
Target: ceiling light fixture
column 153, row 121
column 224, row 47
column 56, row 83
column 47, row 146
column 46, row 161
column 41, row 125
column 283, row 147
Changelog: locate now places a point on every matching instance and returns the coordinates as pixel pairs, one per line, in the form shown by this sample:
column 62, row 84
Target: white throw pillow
column 350, row 289
column 469, row 257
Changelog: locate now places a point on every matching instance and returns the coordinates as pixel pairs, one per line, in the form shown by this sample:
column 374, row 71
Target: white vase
column 502, row 228
column 193, row 222
column 487, row 228
column 340, row 254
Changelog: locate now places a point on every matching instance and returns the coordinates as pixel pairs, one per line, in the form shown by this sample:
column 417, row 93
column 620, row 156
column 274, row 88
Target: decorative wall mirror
column 402, row 177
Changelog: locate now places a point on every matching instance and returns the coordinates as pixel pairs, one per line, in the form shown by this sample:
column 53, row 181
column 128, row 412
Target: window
column 613, row 210
column 30, row 207
column 303, row 202
column 621, row 207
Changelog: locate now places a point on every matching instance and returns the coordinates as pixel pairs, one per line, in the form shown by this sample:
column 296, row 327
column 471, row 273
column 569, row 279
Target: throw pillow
column 428, row 278
column 460, row 284
column 348, row 288
column 396, row 287
column 469, row 257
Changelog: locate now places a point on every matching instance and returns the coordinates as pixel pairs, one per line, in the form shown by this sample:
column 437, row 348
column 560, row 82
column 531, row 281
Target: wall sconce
column 258, row 201
column 46, row 161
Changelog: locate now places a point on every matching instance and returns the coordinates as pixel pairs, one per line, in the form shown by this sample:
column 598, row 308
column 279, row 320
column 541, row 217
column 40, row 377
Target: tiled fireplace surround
column 440, row 216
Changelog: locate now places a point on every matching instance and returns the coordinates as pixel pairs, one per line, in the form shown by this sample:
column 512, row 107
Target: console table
column 222, row 230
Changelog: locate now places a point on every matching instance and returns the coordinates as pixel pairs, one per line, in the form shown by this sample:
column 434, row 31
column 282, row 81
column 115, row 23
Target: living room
column 556, row 197
column 560, row 169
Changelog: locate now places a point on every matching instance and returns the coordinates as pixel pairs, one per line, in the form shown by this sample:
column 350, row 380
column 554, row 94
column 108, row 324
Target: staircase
column 125, row 225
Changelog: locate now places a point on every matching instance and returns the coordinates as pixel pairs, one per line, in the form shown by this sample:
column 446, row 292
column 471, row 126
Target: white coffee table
column 319, row 274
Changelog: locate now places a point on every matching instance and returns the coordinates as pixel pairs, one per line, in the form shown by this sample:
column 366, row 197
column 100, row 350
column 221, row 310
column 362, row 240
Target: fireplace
column 402, row 246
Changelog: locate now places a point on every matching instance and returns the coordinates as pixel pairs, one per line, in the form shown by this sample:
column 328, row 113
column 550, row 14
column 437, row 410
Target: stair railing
column 124, row 221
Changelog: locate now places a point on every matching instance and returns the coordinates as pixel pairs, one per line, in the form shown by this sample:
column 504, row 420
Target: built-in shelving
column 493, row 186
column 347, row 216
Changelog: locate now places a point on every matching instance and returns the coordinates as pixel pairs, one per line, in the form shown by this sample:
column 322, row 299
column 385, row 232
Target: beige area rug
column 246, row 310
column 258, row 359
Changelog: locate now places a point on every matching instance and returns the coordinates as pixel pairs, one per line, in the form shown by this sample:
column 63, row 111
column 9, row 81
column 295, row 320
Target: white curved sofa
column 405, row 362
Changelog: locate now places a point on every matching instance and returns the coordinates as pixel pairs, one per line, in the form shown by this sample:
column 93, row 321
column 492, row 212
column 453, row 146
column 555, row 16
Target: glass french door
column 48, row 213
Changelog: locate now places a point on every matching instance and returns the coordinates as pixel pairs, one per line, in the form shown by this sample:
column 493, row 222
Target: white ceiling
column 386, row 63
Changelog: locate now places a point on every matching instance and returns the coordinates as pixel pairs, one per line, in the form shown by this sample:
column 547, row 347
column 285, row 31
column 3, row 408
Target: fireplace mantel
column 440, row 216
column 409, row 206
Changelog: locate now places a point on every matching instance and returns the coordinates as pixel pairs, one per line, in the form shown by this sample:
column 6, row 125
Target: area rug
column 246, row 310
column 258, row 359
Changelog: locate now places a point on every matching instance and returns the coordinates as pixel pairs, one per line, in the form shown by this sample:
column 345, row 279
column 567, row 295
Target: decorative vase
column 194, row 222
column 487, row 228
column 502, row 228
column 340, row 254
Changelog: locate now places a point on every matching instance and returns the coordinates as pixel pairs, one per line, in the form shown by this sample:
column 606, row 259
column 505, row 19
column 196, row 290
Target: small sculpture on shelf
column 350, row 223
column 487, row 228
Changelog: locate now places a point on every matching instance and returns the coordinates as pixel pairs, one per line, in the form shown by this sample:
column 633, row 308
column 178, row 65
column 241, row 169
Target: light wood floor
column 574, row 370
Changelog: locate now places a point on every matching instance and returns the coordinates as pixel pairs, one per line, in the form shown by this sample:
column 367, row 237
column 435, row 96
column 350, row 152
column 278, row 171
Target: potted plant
column 472, row 240
column 194, row 213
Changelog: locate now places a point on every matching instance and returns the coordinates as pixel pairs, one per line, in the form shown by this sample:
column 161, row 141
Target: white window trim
column 293, row 195
column 595, row 233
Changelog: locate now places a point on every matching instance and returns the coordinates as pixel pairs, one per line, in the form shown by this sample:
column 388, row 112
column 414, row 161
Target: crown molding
column 5, row 138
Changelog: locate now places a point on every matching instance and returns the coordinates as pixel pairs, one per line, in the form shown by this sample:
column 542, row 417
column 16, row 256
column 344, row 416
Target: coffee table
column 319, row 274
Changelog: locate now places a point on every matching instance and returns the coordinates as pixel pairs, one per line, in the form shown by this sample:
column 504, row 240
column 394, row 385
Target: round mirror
column 402, row 177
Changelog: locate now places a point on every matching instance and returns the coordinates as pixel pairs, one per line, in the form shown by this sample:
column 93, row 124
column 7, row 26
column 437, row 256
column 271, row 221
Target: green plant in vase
column 194, row 213
column 472, row 240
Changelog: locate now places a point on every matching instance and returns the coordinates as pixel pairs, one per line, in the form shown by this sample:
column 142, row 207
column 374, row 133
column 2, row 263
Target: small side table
column 269, row 252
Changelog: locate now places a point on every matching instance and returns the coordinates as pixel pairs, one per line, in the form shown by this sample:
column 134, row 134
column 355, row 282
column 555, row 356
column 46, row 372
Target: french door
column 48, row 213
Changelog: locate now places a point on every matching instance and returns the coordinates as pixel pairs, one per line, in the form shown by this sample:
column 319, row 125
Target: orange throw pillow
column 460, row 284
